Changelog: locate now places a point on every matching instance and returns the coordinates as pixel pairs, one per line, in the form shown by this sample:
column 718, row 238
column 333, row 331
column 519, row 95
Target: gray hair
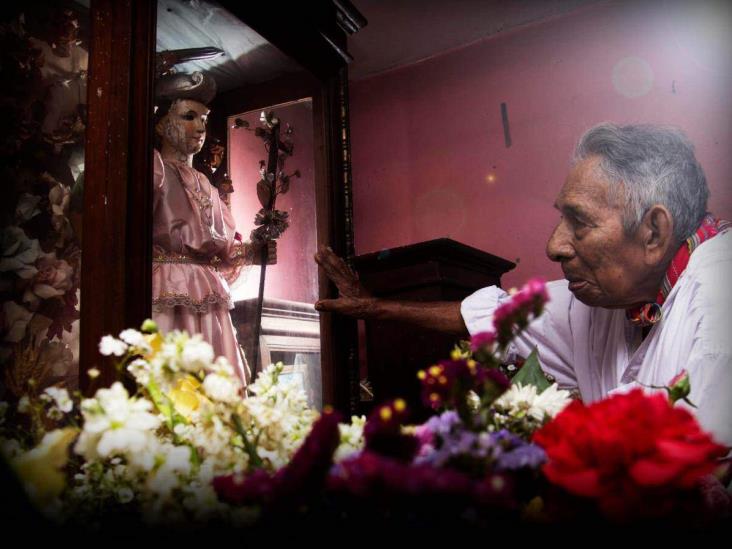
column 652, row 165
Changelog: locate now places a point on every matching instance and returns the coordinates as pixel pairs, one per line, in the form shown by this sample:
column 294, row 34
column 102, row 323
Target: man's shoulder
column 709, row 272
column 706, row 292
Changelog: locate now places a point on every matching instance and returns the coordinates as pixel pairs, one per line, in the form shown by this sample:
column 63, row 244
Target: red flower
column 633, row 453
column 383, row 432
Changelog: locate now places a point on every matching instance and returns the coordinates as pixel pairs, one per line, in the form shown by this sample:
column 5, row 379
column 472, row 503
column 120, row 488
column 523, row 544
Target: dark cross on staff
column 271, row 223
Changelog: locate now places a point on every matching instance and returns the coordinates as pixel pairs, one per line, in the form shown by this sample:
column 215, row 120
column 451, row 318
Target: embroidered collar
column 650, row 313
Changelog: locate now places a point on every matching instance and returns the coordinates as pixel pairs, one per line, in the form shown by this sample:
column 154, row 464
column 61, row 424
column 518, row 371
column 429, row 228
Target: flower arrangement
column 155, row 451
column 43, row 174
column 185, row 445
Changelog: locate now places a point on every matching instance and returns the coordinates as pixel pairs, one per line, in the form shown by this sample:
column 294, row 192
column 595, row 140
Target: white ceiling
column 248, row 58
column 401, row 32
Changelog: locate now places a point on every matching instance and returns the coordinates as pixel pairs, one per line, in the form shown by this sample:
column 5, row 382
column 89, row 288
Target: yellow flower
column 40, row 468
column 185, row 396
column 156, row 342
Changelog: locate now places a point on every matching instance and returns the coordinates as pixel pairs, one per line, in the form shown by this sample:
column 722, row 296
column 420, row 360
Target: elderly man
column 647, row 291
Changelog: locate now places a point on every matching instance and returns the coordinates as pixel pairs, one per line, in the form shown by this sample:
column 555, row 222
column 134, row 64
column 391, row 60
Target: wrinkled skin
column 354, row 300
column 606, row 267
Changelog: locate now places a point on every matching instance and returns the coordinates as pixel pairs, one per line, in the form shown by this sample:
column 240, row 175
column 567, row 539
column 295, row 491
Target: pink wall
column 295, row 276
column 429, row 158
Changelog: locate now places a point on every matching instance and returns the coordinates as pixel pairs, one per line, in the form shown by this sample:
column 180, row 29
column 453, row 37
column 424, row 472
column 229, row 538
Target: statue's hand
column 345, row 278
column 271, row 253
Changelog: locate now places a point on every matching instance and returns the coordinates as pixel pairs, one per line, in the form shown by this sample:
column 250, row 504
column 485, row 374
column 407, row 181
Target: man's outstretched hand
column 357, row 302
column 354, row 299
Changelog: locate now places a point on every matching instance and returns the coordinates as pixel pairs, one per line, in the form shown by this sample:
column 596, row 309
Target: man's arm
column 357, row 302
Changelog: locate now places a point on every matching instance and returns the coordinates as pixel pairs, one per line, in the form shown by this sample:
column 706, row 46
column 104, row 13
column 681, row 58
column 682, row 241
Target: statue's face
column 184, row 127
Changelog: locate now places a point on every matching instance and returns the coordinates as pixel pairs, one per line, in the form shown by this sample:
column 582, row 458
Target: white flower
column 140, row 370
column 221, row 388
column 178, row 459
column 222, row 366
column 197, row 355
column 136, row 339
column 61, row 399
column 177, row 463
column 115, row 423
column 93, row 373
column 523, row 399
column 112, row 346
column 553, row 400
column 351, row 438
column 146, row 459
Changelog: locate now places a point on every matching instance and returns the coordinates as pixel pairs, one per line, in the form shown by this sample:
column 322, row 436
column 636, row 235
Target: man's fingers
column 326, row 305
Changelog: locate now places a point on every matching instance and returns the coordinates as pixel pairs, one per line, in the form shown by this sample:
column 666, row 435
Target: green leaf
column 161, row 403
column 532, row 374
column 165, row 406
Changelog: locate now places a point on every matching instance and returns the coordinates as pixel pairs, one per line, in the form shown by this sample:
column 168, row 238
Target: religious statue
column 196, row 249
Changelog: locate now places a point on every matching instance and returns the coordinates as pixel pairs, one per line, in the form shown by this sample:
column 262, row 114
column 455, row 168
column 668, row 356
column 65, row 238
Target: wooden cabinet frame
column 116, row 285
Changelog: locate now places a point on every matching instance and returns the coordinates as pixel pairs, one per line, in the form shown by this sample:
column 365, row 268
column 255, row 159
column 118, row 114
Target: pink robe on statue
column 194, row 254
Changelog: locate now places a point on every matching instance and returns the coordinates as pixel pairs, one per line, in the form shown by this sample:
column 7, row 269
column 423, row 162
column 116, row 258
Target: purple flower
column 527, row 456
column 512, row 452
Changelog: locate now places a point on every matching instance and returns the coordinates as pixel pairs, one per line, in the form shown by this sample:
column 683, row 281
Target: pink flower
column 523, row 306
column 54, row 278
column 679, row 387
column 482, row 340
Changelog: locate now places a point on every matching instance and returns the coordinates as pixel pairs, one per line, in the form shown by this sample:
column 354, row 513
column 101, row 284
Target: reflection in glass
column 289, row 324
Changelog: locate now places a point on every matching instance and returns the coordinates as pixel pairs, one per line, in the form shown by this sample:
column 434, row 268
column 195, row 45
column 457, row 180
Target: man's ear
column 657, row 233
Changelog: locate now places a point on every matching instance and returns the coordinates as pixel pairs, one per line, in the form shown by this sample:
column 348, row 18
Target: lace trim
column 203, row 306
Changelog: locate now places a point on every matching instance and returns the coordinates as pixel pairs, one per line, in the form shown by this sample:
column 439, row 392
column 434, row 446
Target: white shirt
column 591, row 349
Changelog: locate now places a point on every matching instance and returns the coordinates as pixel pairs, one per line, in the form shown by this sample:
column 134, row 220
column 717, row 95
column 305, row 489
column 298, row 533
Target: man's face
column 184, row 127
column 604, row 267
